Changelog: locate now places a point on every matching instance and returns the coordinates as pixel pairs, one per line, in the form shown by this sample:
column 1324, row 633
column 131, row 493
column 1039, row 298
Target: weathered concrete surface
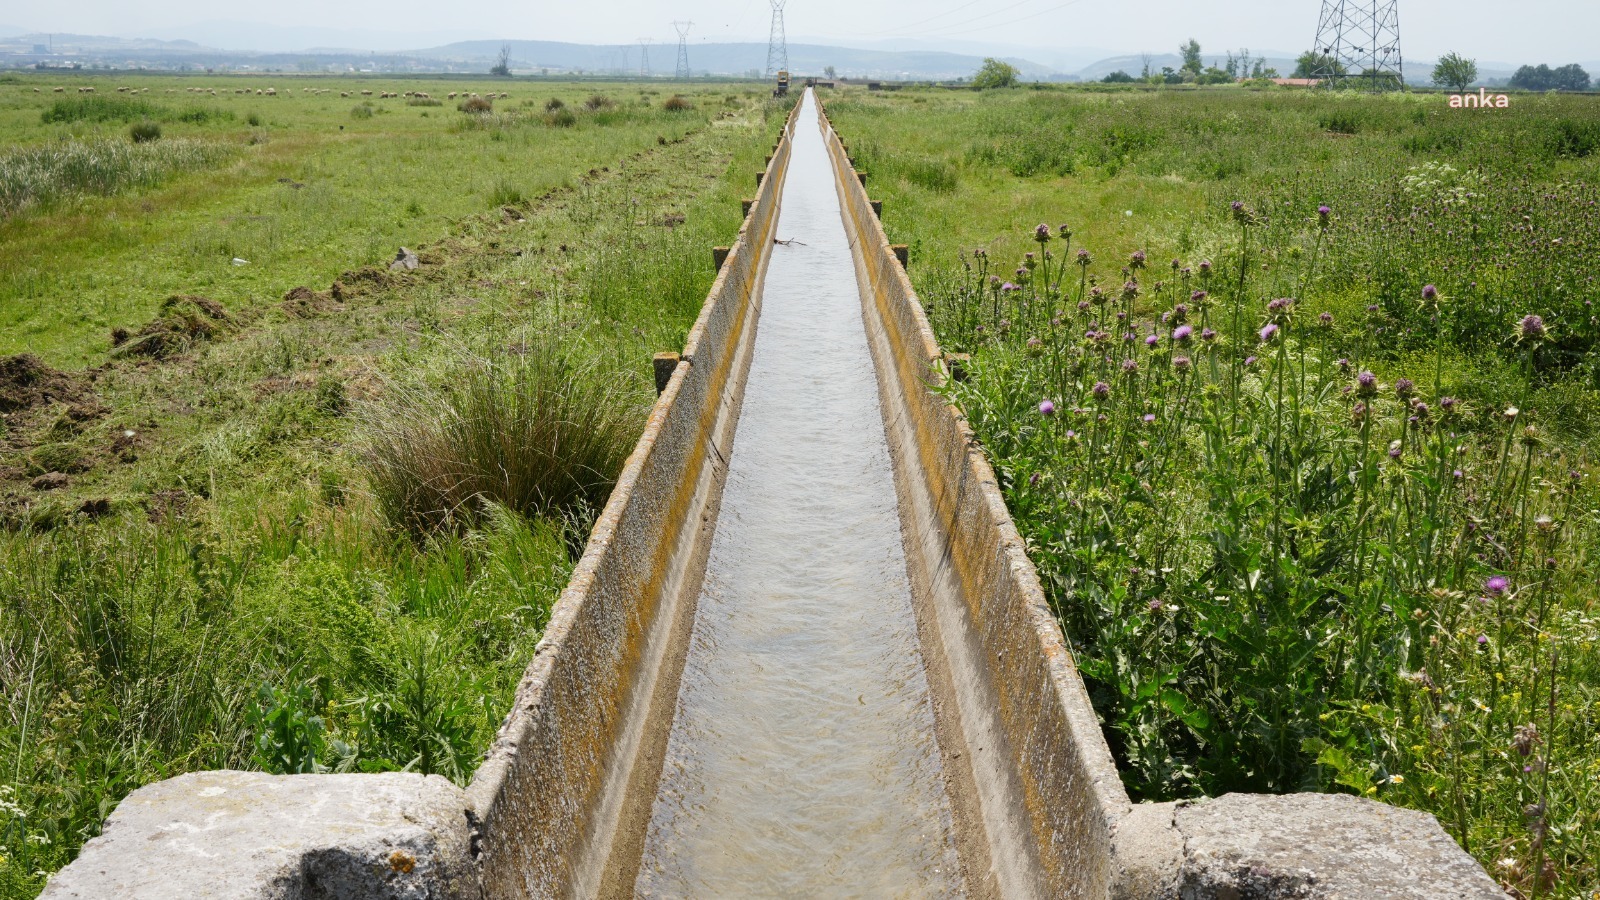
column 1320, row 845
column 393, row 836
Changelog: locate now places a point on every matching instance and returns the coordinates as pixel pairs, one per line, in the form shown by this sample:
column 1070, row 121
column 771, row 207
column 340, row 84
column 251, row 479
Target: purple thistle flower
column 1205, row 267
column 1101, row 390
column 1249, row 361
column 1180, row 312
column 1066, row 232
column 1326, row 319
column 1344, row 364
column 1083, row 305
column 1136, row 261
column 1366, row 384
column 1008, row 287
column 994, row 280
column 1149, row 418
column 1267, row 331
column 1151, row 341
column 1041, row 233
column 1181, row 363
column 1084, row 258
column 1458, row 474
column 1130, row 366
column 1033, row 480
column 1404, row 388
column 1280, row 304
column 1071, row 434
column 1497, row 584
column 1429, row 292
column 1155, row 605
column 1323, row 212
column 1207, row 335
column 1182, row 333
column 1372, row 307
column 1531, row 328
column 1483, row 639
column 1047, row 408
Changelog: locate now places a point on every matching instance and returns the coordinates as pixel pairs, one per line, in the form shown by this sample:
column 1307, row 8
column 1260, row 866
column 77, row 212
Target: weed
column 144, row 132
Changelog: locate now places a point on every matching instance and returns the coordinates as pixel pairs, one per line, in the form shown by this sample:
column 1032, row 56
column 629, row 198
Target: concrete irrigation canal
column 804, row 655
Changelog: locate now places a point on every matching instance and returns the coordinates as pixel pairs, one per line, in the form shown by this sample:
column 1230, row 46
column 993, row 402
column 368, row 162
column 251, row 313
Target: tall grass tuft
column 41, row 176
column 540, row 433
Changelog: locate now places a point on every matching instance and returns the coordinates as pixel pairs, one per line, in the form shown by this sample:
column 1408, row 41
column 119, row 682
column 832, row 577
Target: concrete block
column 1331, row 846
column 903, row 254
column 861, row 177
column 877, row 208
column 394, row 836
column 664, row 365
column 719, row 255
column 744, row 207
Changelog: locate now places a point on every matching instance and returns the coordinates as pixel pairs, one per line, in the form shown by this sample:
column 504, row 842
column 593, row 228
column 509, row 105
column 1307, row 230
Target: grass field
column 1295, row 398
column 207, row 560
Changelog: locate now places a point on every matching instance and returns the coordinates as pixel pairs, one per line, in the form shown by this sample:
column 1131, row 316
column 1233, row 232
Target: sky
column 1554, row 31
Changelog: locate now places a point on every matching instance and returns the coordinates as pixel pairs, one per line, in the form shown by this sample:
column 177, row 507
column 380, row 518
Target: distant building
column 1297, row 82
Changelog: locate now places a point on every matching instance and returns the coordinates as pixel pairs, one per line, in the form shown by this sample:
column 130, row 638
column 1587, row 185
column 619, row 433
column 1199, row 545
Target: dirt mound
column 183, row 322
column 26, row 382
column 358, row 282
column 304, row 303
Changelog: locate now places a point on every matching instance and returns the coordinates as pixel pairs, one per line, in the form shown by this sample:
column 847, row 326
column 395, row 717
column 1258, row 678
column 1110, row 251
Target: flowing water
column 802, row 759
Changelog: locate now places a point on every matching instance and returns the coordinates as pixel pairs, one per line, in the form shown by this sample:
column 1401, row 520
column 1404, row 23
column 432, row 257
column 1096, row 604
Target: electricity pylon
column 777, row 46
column 1360, row 39
column 683, row 48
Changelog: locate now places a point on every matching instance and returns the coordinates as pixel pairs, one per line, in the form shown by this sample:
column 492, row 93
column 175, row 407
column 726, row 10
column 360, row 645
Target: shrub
column 95, row 108
column 540, row 433
column 144, row 132
column 253, row 120
column 475, row 106
column 676, row 103
column 553, row 104
column 598, row 101
column 995, row 74
column 561, row 117
column 362, row 111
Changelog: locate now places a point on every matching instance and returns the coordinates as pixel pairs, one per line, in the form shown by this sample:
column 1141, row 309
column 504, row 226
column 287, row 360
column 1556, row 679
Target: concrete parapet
column 394, row 836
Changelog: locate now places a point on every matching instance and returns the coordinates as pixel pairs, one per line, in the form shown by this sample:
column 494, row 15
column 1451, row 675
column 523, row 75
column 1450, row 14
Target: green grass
column 216, row 583
column 308, row 193
column 1280, row 573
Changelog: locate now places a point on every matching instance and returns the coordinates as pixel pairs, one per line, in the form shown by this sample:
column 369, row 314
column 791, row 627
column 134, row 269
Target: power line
column 683, row 49
column 947, row 12
column 777, row 45
column 644, row 57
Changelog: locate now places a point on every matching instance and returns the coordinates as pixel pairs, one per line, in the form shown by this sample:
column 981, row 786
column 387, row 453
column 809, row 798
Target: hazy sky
column 1552, row 31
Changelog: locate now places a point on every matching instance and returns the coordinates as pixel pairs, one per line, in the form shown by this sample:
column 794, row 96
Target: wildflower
column 1447, row 404
column 1129, row 366
column 1205, row 267
column 1530, row 436
column 1458, row 474
column 1394, row 450
column 1097, row 295
column 1070, row 435
column 1240, row 214
column 1430, row 293
column 994, row 280
column 1397, row 779
column 1066, row 232
column 1207, row 335
column 1366, row 384
column 1136, row 261
column 1155, row 605
column 1101, row 390
column 1323, row 212
column 1083, row 305
column 1033, row 480
column 1483, row 640
column 1358, row 412
column 1280, row 304
column 1525, row 739
column 1149, row 418
column 1180, row 312
column 1034, row 346
column 1326, row 319
column 1372, row 307
column 979, row 253
column 1497, row 584
column 1047, row 408
column 1545, row 524
column 1421, row 413
column 1531, row 328
column 1267, row 331
column 1181, row 363
column 1249, row 361
column 1198, row 297
column 1182, row 333
column 1008, row 287
column 1041, row 233
column 1510, row 413
column 1404, row 388
column 1084, row 258
column 1130, row 290
column 1005, row 325
column 1022, row 272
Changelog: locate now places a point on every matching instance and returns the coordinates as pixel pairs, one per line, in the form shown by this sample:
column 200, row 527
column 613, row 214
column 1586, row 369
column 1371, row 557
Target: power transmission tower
column 1360, row 39
column 777, row 46
column 683, row 48
column 644, row 57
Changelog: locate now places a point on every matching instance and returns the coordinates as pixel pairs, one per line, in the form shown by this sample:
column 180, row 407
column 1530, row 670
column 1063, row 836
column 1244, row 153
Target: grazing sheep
column 344, row 93
column 366, row 93
column 57, row 90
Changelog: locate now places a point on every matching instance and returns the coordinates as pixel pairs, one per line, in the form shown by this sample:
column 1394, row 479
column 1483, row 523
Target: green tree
column 1312, row 64
column 995, row 74
column 1455, row 71
column 1191, row 58
column 1571, row 77
column 1118, row 77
